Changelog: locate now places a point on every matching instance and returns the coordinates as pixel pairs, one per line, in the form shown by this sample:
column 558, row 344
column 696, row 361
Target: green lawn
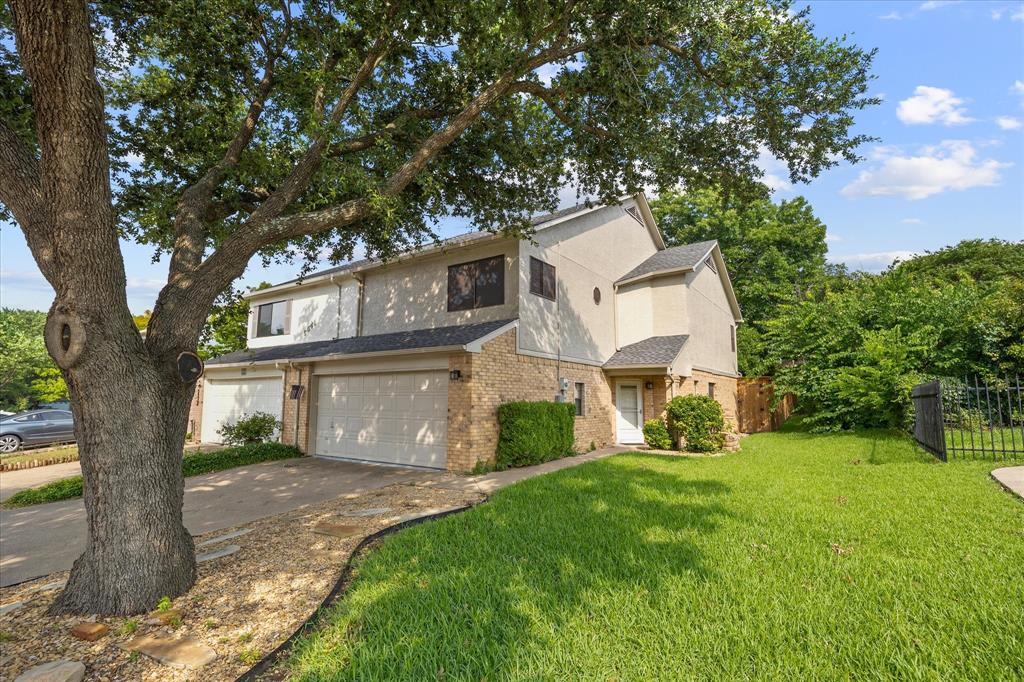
column 801, row 557
column 192, row 464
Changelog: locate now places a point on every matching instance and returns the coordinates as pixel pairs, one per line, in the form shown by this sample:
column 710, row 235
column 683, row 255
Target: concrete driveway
column 39, row 540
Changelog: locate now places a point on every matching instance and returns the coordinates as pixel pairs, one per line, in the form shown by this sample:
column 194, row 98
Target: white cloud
column 932, row 105
column 912, row 221
column 829, row 237
column 1018, row 15
column 1008, row 122
column 872, row 262
column 997, row 14
column 950, row 165
column 891, row 16
column 936, row 4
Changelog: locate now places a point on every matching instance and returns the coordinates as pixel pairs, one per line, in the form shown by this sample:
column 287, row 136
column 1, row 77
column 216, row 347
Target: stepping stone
column 89, row 632
column 425, row 512
column 217, row 553
column 338, row 530
column 183, row 652
column 50, row 586
column 376, row 511
column 54, row 671
column 226, row 536
column 13, row 606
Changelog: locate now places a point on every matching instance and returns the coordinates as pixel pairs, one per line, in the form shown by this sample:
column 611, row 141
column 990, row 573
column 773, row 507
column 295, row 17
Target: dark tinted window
column 579, row 396
column 34, row 417
column 270, row 319
column 476, row 285
column 711, row 390
column 542, row 278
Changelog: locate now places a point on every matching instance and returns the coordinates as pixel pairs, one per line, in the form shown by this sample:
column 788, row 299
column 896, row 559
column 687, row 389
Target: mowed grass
column 801, row 557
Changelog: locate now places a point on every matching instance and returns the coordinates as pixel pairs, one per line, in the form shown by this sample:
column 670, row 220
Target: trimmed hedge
column 699, row 420
column 534, row 432
column 191, row 465
column 656, row 435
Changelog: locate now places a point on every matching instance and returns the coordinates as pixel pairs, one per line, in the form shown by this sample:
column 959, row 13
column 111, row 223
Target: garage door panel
column 399, row 417
column 227, row 401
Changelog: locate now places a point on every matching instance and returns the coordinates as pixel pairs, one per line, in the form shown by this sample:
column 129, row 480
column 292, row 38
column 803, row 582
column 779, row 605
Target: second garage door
column 398, row 418
column 226, row 401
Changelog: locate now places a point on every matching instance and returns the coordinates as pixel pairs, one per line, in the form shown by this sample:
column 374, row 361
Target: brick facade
column 499, row 375
column 291, row 418
column 664, row 388
column 194, row 432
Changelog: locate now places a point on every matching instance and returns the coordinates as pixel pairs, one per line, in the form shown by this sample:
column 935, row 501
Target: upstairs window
column 579, row 396
column 271, row 319
column 732, row 337
column 478, row 284
column 542, row 278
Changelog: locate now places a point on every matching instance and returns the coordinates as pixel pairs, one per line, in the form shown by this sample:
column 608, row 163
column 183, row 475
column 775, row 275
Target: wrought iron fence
column 970, row 418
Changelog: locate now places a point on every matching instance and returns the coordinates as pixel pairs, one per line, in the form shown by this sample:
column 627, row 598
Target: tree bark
column 130, row 423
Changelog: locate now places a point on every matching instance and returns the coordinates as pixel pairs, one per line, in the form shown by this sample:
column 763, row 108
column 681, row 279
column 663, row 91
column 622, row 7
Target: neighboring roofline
column 466, row 240
column 474, row 346
column 637, row 365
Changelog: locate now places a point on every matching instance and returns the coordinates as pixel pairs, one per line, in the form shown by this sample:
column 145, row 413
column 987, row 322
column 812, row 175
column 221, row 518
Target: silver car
column 38, row 427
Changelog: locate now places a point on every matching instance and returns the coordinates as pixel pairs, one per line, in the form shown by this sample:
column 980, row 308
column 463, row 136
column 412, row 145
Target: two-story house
column 406, row 362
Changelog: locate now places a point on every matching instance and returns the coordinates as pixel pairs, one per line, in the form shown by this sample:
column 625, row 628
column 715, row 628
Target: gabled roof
column 655, row 351
column 539, row 222
column 675, row 259
column 461, row 335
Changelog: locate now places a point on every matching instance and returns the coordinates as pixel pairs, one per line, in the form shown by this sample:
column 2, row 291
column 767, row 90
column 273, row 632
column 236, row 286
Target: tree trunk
column 130, row 421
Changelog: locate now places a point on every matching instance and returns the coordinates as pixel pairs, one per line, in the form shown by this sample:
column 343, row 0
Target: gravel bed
column 242, row 605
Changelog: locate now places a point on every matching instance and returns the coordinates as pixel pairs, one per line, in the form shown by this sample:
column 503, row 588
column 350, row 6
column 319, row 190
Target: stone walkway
column 1012, row 478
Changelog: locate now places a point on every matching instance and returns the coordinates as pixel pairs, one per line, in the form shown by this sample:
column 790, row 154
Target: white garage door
column 399, row 418
column 227, row 401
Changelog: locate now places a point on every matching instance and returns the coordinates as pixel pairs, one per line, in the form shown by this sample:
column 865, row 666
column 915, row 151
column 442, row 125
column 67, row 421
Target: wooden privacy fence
column 754, row 412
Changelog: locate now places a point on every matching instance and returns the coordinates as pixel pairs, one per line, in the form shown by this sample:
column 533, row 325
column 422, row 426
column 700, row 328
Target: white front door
column 398, row 418
column 629, row 409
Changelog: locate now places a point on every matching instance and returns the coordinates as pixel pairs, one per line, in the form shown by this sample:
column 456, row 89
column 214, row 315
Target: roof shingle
column 455, row 335
column 683, row 257
column 655, row 351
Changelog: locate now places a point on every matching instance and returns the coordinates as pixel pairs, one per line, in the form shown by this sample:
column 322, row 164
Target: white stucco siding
column 668, row 306
column 401, row 297
column 590, row 251
column 635, row 311
column 318, row 312
column 710, row 323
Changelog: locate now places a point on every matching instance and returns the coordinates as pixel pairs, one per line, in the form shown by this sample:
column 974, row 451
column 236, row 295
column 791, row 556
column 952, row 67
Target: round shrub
column 259, row 427
column 698, row 420
column 656, row 435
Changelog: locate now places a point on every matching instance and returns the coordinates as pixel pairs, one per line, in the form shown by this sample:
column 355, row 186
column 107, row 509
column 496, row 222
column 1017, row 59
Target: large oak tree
column 217, row 130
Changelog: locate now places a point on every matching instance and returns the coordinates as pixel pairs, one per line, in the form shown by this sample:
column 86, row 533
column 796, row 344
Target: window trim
column 554, row 279
column 475, row 298
column 284, row 326
column 581, row 401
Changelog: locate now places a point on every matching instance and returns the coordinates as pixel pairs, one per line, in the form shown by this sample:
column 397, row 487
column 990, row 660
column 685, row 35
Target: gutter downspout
column 359, row 302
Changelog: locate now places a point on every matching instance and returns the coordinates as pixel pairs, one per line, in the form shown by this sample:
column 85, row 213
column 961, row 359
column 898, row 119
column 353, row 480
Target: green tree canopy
column 775, row 252
column 979, row 260
column 27, row 373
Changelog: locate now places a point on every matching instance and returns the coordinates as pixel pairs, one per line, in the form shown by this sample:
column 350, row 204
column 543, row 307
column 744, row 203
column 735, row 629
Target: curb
column 310, row 624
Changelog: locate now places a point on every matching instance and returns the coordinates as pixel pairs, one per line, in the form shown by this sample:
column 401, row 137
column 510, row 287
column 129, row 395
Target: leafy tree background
column 27, row 374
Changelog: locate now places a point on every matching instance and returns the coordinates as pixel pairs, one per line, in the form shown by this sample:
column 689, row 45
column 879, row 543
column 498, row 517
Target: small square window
column 270, row 319
column 542, row 278
column 580, row 396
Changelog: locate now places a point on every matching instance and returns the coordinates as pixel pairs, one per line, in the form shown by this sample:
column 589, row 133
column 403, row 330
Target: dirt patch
column 243, row 605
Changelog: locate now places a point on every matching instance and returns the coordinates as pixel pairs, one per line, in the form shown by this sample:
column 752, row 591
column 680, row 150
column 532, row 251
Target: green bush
column 656, row 435
column 534, row 432
column 259, row 427
column 698, row 419
column 191, row 465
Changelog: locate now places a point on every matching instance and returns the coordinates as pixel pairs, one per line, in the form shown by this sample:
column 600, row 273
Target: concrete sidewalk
column 1011, row 478
column 14, row 481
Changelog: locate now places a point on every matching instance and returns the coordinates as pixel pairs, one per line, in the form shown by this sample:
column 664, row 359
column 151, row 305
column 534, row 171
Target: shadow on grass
column 465, row 594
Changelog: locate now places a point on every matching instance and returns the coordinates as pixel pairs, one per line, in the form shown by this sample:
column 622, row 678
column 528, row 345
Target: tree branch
column 550, row 97
column 194, row 206
column 364, row 142
column 19, row 176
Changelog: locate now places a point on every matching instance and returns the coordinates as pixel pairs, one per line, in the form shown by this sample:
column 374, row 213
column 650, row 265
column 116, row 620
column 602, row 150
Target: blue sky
column 948, row 164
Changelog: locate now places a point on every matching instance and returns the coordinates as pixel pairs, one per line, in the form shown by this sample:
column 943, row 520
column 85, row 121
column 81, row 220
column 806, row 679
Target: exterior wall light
column 649, row 385
column 455, row 374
